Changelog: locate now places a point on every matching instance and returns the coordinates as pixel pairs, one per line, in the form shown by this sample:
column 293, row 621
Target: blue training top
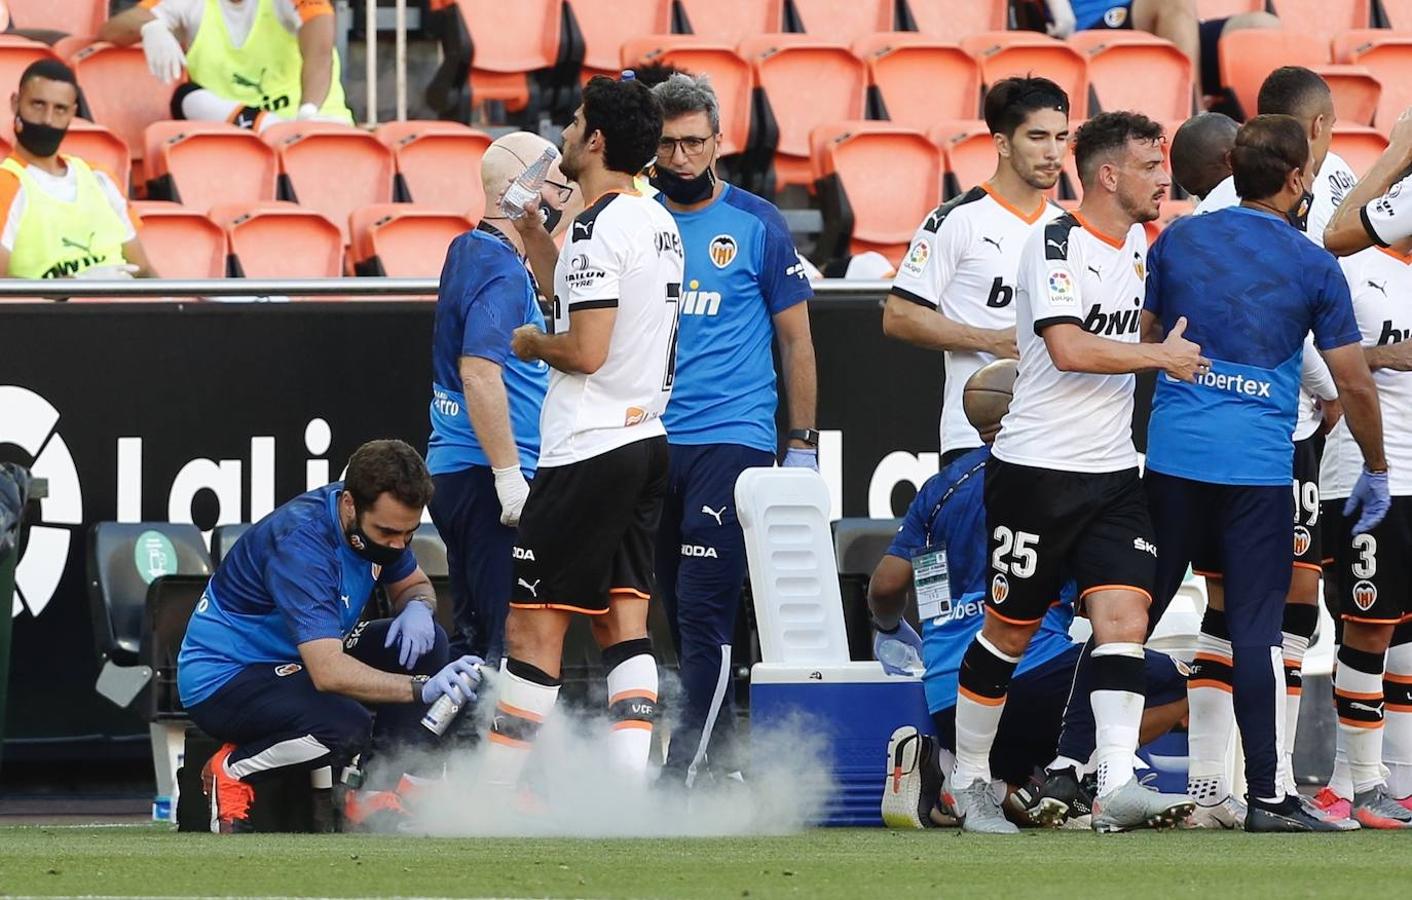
column 741, row 269
column 960, row 525
column 291, row 578
column 1251, row 287
column 485, row 294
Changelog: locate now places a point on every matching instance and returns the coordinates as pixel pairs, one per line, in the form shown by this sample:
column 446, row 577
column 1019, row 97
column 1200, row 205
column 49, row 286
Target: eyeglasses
column 565, row 190
column 691, row 146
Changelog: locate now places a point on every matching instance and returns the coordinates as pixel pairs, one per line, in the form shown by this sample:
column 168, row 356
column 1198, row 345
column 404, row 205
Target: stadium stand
column 917, row 80
column 1250, row 55
column 1397, row 14
column 16, row 54
column 280, row 240
column 1359, row 146
column 730, row 21
column 605, row 25
column 181, row 242
column 1138, row 71
column 968, row 154
column 1002, row 54
column 204, row 164
column 332, row 169
column 1322, row 18
column 841, row 21
column 494, row 51
column 731, row 77
column 437, row 162
column 1388, row 56
column 79, row 17
column 100, row 148
column 120, row 92
column 1221, row 9
column 1356, row 92
column 403, row 240
column 950, row 21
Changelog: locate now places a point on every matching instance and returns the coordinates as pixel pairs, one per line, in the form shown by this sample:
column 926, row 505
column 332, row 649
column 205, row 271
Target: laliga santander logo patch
column 722, row 250
column 1302, row 540
column 999, row 589
column 1365, row 594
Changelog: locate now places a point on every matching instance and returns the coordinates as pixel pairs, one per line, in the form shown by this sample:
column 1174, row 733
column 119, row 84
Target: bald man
column 484, row 444
column 1200, row 152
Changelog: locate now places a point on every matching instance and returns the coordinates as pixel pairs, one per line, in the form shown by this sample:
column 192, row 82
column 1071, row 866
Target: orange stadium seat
column 121, row 92
column 920, row 80
column 1249, row 55
column 730, row 21
column 815, row 83
column 1388, row 56
column 843, row 21
column 102, row 149
column 281, row 240
column 333, row 169
column 82, row 17
column 1359, row 146
column 948, row 20
column 1002, row 54
column 730, row 75
column 1356, row 92
column 16, row 54
column 1138, row 71
column 606, row 24
column 860, row 165
column 181, row 243
column 438, row 162
column 203, row 164
column 1324, row 18
column 1398, row 13
column 968, row 151
column 508, row 41
column 403, row 240
column 1224, row 9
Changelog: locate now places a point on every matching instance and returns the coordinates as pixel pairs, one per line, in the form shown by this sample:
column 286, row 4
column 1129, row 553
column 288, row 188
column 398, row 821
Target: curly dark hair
column 387, row 467
column 628, row 117
column 1010, row 101
column 1107, row 132
column 1267, row 149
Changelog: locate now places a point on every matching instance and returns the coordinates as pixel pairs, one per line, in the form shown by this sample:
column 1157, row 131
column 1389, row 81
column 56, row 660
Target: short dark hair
column 1011, row 100
column 51, row 69
column 655, row 72
column 629, row 118
column 1107, row 132
column 1266, row 149
column 1199, row 149
column 1291, row 91
column 387, row 467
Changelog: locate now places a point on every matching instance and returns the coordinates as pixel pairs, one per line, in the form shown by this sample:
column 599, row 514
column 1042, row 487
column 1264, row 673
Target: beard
column 568, row 165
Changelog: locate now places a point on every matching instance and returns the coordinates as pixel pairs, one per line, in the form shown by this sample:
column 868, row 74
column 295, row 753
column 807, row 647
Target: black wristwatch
column 418, row 681
column 807, row 435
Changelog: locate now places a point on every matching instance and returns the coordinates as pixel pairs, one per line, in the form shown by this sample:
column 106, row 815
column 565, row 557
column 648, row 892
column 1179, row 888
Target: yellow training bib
column 56, row 239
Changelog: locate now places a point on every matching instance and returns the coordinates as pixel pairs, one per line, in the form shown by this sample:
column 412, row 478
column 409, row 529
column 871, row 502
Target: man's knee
column 625, row 620
column 1009, row 638
column 342, row 724
column 1119, row 616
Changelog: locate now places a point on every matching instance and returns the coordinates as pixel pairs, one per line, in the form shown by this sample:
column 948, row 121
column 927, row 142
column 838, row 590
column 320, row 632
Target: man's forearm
column 316, row 51
column 928, row 328
column 1346, row 233
column 489, row 412
column 801, row 382
column 1365, row 421
column 563, row 352
column 543, row 256
column 1094, row 355
column 126, row 27
column 1395, row 357
column 417, row 590
column 335, row 672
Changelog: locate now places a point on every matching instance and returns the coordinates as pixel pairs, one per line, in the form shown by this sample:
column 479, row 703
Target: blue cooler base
column 855, row 708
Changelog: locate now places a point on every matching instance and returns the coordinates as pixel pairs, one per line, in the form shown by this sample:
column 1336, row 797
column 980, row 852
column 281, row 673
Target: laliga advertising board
column 216, row 413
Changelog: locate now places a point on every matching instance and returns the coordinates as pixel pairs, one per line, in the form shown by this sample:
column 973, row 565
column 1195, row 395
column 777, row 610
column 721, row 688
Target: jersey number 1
column 674, row 298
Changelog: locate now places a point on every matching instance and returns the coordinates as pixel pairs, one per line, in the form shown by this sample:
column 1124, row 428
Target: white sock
column 1294, row 649
column 1362, row 738
column 976, row 724
column 1397, row 721
column 522, row 707
column 207, row 106
column 1211, row 734
column 632, row 701
column 1117, row 717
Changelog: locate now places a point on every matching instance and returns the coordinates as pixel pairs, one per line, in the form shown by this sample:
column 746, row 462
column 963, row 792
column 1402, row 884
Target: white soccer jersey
column 963, row 263
column 1381, row 284
column 623, row 252
column 1389, row 218
column 1075, row 421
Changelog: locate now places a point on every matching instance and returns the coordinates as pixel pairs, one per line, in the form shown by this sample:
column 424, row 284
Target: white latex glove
column 164, row 55
column 308, row 112
column 1061, row 22
column 108, row 273
column 512, row 489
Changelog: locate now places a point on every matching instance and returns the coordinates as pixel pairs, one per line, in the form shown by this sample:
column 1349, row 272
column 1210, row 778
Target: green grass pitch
column 852, row 863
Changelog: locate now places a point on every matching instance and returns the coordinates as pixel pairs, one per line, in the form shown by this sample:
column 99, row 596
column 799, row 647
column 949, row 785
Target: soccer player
column 948, row 515
column 485, row 403
column 1373, row 681
column 955, row 289
column 1378, row 211
column 1062, row 495
column 585, row 541
column 1252, row 288
column 1199, row 152
column 745, row 290
column 272, row 663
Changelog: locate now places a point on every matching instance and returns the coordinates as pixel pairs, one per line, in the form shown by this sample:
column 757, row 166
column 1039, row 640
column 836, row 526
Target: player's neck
column 1014, row 190
column 51, row 164
column 598, row 182
column 503, row 225
column 1105, row 216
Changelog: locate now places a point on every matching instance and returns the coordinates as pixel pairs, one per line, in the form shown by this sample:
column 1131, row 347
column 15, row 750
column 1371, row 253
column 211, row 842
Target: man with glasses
column 744, row 288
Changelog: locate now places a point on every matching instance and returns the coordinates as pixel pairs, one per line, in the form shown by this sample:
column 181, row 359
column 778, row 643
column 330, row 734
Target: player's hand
column 904, row 634
column 522, row 342
column 512, row 489
column 416, row 629
column 1330, row 411
column 1184, row 359
column 163, row 51
column 1003, row 345
column 530, row 219
column 1401, row 134
column 1371, row 494
column 458, row 680
column 118, row 272
column 800, row 458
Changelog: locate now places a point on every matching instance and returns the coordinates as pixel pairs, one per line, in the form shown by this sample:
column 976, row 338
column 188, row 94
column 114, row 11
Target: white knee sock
column 1359, row 690
column 1211, row 735
column 632, row 703
column 1397, row 720
column 521, row 709
column 1117, row 701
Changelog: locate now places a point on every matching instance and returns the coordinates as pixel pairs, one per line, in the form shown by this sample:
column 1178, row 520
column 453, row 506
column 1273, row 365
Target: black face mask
column 685, row 191
column 369, row 549
column 551, row 216
column 38, row 138
column 1298, row 214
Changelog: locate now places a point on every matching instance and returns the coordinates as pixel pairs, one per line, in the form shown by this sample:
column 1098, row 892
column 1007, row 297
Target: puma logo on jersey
column 993, row 242
column 532, row 588
column 1096, row 274
column 1392, row 334
column 1380, row 288
column 75, row 245
column 698, row 551
column 522, row 553
column 582, row 230
column 714, row 514
column 1144, row 546
column 1061, row 246
column 1120, row 322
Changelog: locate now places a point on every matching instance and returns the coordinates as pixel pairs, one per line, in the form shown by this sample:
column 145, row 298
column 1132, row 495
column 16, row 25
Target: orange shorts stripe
column 632, row 723
column 629, row 592
column 1117, row 587
column 561, row 607
column 516, row 711
column 977, row 698
column 1208, row 683
column 1313, row 567
column 499, row 738
column 1357, row 724
column 1011, row 621
column 628, row 695
column 1347, row 618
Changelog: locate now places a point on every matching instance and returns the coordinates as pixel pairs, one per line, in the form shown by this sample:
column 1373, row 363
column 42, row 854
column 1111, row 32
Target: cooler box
column 855, row 708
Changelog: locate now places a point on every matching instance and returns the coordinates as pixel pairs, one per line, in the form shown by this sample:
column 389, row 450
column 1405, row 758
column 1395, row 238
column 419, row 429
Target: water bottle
column 900, row 655
column 523, row 192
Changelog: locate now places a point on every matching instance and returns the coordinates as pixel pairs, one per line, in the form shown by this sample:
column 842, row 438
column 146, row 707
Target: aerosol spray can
column 444, row 711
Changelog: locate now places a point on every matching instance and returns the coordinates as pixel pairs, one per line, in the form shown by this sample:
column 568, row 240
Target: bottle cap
column 628, row 75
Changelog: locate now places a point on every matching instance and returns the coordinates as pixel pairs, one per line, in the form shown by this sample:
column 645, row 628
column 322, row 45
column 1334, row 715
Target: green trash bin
column 14, row 495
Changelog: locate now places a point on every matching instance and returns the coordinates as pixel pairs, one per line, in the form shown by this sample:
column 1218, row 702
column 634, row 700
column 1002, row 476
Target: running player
column 955, row 289
column 585, row 541
column 1062, row 495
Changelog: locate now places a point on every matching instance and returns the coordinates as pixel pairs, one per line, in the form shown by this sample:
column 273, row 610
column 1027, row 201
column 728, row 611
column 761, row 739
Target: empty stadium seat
column 949, row 20
column 281, row 240
column 606, row 24
column 1356, row 91
column 1388, row 56
column 1137, row 71
column 729, row 21
column 223, row 538
column 438, row 162
column 508, row 48
column 859, row 165
column 816, row 83
column 1359, row 146
column 101, row 149
column 842, row 21
column 1324, row 18
column 334, row 169
column 81, row 17
column 1002, row 54
column 1224, row 9
column 121, row 93
column 731, row 77
column 16, row 54
column 404, row 240
column 1398, row 13
column 181, row 242
column 1248, row 56
column 203, row 164
column 969, row 153
column 920, row 80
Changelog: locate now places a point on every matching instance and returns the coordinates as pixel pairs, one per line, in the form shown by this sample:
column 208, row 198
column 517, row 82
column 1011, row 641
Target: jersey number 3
column 1020, row 546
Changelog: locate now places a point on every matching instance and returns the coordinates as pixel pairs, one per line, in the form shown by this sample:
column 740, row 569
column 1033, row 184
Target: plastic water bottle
column 900, row 655
column 523, row 192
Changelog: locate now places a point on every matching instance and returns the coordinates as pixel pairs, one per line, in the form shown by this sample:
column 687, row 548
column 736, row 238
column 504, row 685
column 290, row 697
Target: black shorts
column 1044, row 527
column 1375, row 569
column 587, row 531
